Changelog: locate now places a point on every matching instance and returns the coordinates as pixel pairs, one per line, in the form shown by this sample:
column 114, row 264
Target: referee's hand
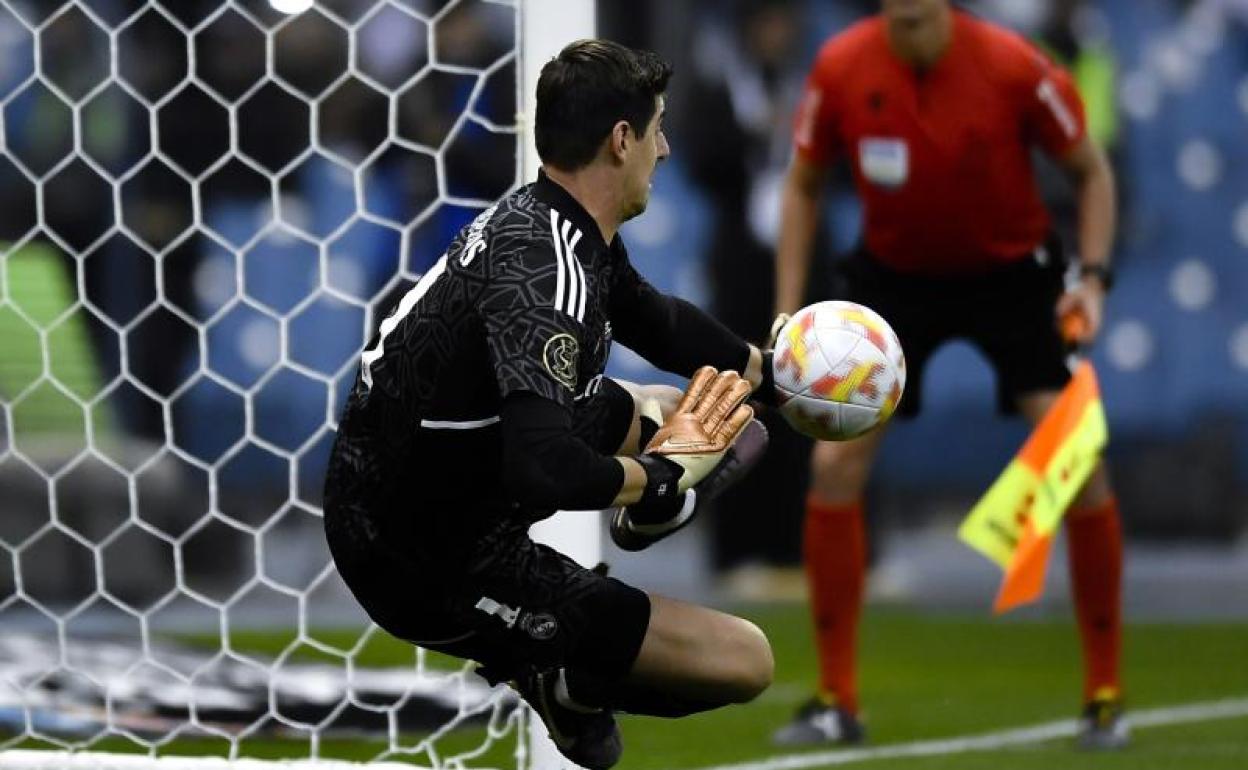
column 1080, row 310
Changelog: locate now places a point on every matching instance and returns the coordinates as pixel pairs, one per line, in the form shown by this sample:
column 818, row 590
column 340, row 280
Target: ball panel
column 798, row 360
column 857, row 420
column 812, row 417
column 864, row 321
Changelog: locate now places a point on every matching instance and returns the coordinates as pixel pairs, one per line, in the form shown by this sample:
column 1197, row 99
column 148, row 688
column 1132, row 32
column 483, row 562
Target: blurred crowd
column 1164, row 86
column 220, row 219
column 278, row 207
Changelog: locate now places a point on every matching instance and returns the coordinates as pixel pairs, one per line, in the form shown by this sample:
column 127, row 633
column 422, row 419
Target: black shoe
column 818, row 723
column 590, row 739
column 738, row 460
column 1103, row 725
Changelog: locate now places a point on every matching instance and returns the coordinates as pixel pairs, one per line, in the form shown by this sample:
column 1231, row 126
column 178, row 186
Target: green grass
column 925, row 677
column 922, row 677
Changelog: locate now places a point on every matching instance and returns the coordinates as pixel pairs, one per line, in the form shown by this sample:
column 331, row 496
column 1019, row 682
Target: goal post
column 546, row 27
column 207, row 208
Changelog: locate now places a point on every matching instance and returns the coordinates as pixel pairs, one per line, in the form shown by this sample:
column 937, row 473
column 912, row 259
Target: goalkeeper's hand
column 776, row 326
column 709, row 418
column 766, row 393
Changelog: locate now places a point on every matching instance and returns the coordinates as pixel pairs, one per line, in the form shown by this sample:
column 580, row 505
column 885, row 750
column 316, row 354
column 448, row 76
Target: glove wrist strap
column 662, row 498
column 766, row 392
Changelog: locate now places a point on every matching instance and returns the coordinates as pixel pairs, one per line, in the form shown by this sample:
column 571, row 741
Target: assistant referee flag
column 1015, row 521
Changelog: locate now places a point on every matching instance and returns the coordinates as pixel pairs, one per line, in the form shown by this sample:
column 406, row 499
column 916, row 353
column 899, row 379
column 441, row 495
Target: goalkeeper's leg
column 692, row 659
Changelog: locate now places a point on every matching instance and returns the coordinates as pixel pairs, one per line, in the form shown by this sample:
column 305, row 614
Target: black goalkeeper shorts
column 519, row 603
column 1008, row 314
column 530, row 606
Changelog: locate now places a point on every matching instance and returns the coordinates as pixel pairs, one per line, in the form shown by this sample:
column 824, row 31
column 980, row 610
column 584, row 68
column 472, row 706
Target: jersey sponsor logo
column 1047, row 92
column 570, row 287
column 560, row 358
column 373, row 354
column 884, row 161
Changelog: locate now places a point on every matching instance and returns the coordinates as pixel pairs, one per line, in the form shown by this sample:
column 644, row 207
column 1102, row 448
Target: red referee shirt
column 941, row 159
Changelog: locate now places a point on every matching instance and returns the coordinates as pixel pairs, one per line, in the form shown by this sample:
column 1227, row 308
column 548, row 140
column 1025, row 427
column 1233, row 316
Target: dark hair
column 585, row 90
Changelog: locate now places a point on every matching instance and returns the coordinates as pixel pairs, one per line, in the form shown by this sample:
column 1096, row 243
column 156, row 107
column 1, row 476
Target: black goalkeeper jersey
column 526, row 298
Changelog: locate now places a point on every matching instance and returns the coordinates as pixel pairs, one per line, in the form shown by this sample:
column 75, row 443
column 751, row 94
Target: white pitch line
column 1019, row 736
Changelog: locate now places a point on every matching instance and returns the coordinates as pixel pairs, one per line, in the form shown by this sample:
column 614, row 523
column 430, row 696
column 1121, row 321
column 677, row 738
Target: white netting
column 206, row 203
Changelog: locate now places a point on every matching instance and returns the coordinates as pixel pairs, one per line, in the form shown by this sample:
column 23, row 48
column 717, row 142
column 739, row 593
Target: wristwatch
column 1103, row 273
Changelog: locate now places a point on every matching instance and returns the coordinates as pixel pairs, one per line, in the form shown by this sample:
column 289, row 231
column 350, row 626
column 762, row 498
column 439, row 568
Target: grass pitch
column 923, row 677
column 933, row 676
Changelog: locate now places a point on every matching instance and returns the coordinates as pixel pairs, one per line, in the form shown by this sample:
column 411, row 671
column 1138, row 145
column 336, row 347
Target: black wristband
column 766, row 392
column 1102, row 273
column 661, row 498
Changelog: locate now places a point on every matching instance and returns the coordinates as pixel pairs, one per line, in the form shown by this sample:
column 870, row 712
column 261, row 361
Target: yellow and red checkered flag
column 1015, row 521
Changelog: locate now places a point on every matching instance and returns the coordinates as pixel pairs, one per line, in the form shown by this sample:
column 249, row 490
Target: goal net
column 208, row 205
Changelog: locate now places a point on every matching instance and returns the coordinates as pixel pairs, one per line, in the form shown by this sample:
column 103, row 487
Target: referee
column 937, row 112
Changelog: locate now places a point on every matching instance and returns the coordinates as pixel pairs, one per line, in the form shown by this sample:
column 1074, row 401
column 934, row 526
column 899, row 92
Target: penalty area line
column 1018, row 736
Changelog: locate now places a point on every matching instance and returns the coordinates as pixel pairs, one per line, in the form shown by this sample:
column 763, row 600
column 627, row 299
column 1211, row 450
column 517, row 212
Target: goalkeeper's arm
column 677, row 336
column 547, row 466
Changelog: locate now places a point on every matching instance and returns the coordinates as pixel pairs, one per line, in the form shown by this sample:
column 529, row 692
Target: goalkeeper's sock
column 1095, row 543
column 835, row 549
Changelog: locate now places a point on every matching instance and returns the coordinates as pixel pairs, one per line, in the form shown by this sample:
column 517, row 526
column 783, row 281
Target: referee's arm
column 799, row 218
column 1093, row 179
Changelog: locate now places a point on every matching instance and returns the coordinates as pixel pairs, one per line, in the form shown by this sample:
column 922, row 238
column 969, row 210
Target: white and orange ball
column 839, row 370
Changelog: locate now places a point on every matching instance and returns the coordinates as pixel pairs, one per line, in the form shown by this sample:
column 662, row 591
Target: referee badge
column 884, row 161
column 559, row 357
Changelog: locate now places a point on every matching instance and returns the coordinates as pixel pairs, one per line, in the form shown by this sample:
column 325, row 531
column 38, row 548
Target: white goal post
column 211, row 279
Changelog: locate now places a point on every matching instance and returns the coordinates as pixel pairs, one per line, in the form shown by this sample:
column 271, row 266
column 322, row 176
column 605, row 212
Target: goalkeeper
column 481, row 407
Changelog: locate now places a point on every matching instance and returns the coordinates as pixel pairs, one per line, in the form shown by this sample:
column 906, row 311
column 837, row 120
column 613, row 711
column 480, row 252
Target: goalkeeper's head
column 600, row 104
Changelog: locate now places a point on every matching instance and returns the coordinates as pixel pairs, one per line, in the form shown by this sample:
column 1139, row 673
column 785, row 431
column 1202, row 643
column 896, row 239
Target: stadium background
column 1173, row 358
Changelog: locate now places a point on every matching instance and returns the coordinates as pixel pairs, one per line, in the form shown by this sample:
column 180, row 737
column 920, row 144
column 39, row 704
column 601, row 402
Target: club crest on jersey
column 884, row 161
column 541, row 626
column 559, row 357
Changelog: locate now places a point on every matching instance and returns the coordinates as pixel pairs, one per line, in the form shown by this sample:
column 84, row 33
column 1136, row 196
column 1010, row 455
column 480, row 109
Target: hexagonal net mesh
column 207, row 206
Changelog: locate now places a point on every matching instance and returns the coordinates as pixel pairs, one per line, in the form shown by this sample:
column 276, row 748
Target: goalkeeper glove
column 639, row 526
column 709, row 419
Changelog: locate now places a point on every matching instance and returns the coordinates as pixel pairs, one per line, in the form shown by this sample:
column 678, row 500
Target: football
column 839, row 370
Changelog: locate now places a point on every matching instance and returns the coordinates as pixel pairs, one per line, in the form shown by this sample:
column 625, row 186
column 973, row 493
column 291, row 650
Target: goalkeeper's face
column 641, row 161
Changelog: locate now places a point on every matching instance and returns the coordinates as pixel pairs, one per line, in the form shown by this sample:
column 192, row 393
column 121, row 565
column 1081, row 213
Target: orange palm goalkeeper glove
column 710, row 417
